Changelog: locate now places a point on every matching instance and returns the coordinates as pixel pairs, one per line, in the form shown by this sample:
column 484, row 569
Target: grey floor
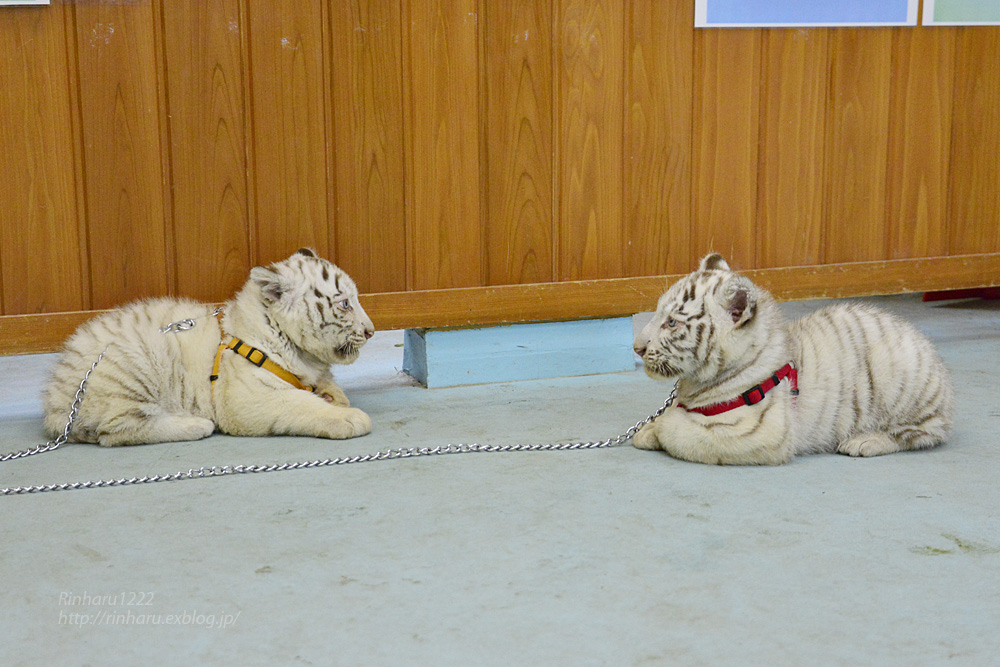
column 607, row 557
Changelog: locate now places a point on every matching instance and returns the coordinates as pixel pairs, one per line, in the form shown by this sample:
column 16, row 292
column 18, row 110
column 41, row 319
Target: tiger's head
column 702, row 322
column 315, row 305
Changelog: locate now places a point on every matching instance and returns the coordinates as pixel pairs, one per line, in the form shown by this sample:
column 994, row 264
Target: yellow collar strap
column 257, row 358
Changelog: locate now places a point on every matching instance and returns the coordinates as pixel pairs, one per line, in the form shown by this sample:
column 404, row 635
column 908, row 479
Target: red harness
column 752, row 395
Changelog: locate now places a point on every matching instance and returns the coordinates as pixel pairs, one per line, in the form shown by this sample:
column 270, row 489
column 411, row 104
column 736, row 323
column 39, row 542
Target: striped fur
column 303, row 312
column 869, row 382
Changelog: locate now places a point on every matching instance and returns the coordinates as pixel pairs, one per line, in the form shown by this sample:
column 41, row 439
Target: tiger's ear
column 272, row 284
column 307, row 252
column 713, row 262
column 741, row 301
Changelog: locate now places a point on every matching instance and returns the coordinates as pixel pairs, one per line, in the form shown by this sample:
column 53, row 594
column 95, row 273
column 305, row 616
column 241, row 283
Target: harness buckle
column 748, row 395
column 263, row 357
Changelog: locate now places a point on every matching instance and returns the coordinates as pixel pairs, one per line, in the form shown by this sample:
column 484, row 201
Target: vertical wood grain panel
column 367, row 73
column 590, row 57
column 444, row 230
column 290, row 129
column 658, row 118
column 857, row 144
column 164, row 146
column 920, row 141
column 975, row 154
column 170, row 237
column 793, row 114
column 725, row 143
column 41, row 235
column 121, row 138
column 518, row 113
column 205, row 88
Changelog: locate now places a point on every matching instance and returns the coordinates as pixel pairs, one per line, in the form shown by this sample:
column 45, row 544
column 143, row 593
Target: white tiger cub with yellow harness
column 754, row 388
column 262, row 369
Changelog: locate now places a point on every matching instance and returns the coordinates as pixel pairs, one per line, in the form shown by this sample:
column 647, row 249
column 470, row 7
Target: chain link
column 178, row 326
column 384, row 455
column 61, row 439
column 184, row 325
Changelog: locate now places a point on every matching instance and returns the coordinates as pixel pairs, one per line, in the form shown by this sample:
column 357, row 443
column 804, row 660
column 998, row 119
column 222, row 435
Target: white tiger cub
column 867, row 382
column 302, row 313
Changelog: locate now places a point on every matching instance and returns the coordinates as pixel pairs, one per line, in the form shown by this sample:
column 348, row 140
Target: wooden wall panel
column 367, row 79
column 123, row 174
column 42, row 240
column 517, row 114
column 208, row 132
column 444, row 228
column 919, row 142
column 725, row 144
column 497, row 304
column 857, row 129
column 290, row 129
column 658, row 118
column 794, row 79
column 164, row 147
column 589, row 121
column 974, row 225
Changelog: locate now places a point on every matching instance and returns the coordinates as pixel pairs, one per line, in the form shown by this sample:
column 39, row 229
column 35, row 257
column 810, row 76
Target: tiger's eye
column 670, row 323
column 345, row 304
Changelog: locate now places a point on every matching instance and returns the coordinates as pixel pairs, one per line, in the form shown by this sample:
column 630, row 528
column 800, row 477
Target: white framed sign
column 803, row 13
column 961, row 12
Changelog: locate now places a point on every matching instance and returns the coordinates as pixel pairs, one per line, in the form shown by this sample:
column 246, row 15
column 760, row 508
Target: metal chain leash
column 186, row 324
column 220, row 471
column 61, row 439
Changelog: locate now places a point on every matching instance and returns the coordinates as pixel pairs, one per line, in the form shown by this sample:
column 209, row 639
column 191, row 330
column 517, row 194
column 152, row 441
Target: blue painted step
column 450, row 357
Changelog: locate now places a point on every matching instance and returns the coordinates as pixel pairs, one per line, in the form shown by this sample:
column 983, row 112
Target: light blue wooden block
column 450, row 357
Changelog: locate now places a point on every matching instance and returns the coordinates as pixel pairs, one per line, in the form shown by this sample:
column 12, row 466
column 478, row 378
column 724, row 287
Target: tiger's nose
column 640, row 349
column 369, row 332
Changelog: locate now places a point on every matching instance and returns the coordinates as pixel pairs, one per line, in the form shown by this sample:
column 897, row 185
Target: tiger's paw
column 646, row 438
column 869, row 444
column 333, row 394
column 349, row 423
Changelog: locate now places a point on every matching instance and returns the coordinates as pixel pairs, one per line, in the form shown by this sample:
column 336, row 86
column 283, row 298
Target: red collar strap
column 752, row 395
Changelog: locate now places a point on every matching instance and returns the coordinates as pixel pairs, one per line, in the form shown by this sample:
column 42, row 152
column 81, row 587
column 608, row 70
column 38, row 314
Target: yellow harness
column 256, row 357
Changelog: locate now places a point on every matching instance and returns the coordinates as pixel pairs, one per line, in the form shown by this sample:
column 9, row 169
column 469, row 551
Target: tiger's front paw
column 646, row 438
column 349, row 423
column 333, row 394
column 869, row 444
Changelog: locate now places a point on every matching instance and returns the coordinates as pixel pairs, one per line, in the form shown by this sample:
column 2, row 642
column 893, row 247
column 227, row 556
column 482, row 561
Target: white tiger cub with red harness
column 262, row 369
column 754, row 388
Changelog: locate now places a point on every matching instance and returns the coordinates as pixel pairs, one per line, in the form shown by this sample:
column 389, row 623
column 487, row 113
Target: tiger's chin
column 661, row 370
column 346, row 353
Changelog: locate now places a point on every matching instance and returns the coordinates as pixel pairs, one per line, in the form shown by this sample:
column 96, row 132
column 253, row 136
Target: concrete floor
column 608, row 557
